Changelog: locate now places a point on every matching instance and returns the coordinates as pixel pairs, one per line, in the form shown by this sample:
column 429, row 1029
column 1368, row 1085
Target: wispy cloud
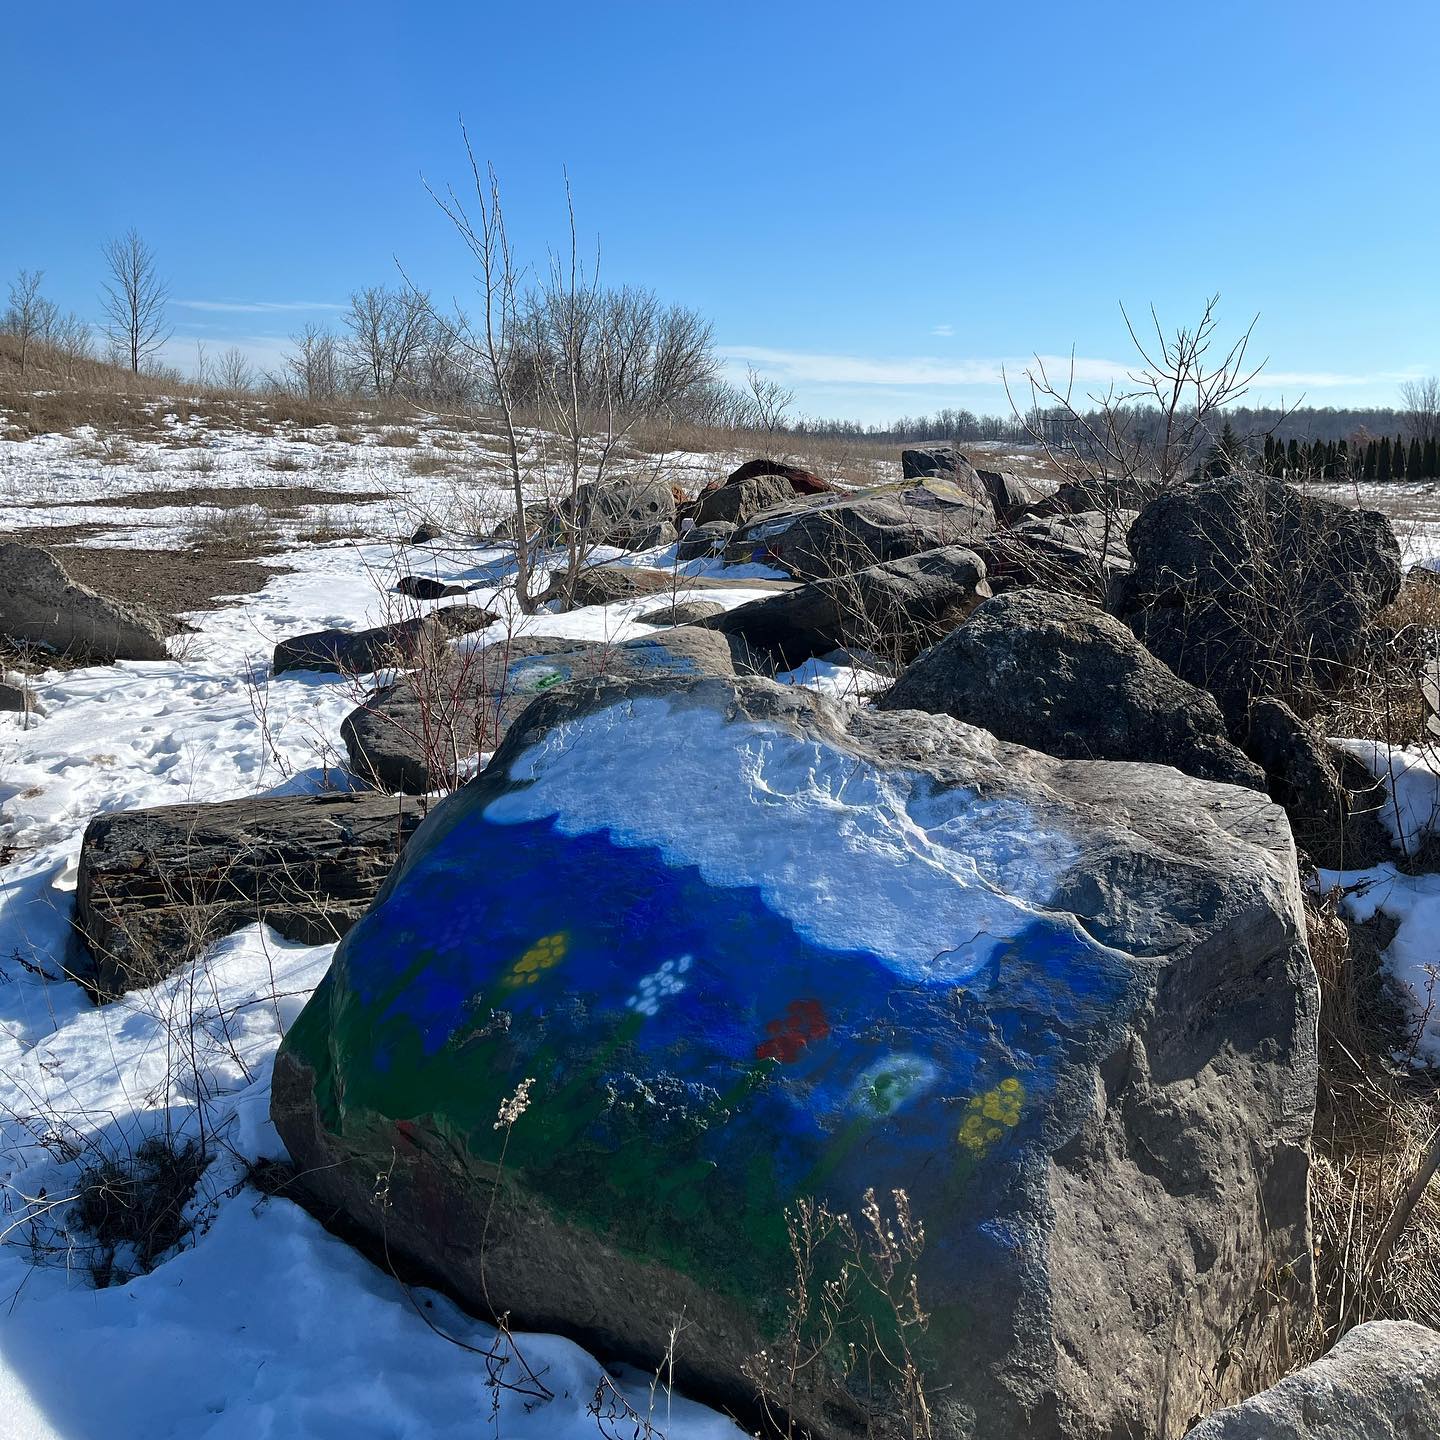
column 259, row 307
column 943, row 330
column 1330, row 380
column 805, row 367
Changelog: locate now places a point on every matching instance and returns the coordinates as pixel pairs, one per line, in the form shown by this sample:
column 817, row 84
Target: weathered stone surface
column 702, row 541
column 1247, row 587
column 605, row 584
column 620, row 510
column 892, row 610
column 1050, row 671
column 1009, row 493
column 426, row 587
column 1079, row 554
column 1380, row 1382
column 802, row 482
column 837, row 534
column 946, row 460
column 685, row 612
column 412, row 735
column 156, row 886
column 40, row 604
column 737, row 500
column 361, row 652
column 751, row 947
column 1336, row 828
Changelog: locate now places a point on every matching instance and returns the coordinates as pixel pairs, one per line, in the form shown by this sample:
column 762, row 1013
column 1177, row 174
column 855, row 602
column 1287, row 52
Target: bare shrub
column 401, row 439
column 244, row 530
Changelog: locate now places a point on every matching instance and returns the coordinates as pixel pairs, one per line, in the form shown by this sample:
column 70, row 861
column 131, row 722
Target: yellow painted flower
column 990, row 1115
column 543, row 955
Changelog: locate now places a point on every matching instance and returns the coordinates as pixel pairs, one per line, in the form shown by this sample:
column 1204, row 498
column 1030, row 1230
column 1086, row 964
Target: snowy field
column 263, row 1324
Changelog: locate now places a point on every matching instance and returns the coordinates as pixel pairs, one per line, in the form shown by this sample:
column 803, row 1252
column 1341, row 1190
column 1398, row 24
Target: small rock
column 702, row 541
column 423, row 587
column 605, row 584
column 361, row 652
column 425, row 532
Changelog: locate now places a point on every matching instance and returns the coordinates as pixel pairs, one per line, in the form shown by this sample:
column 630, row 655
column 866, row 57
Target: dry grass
column 288, row 463
column 432, row 464
column 1374, row 1119
column 243, row 530
column 401, row 439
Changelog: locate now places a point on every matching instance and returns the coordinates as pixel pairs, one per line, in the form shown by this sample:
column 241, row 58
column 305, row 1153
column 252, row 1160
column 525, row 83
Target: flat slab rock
column 1380, row 1382
column 745, row 947
column 362, row 652
column 156, row 886
column 41, row 604
column 411, row 736
column 827, row 535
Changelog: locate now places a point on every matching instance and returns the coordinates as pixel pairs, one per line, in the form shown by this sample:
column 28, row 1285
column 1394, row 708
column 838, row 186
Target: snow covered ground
column 263, row 1324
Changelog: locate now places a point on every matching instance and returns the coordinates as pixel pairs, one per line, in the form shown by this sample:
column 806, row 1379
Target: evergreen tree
column 1397, row 459
column 1432, row 459
column 1382, row 465
column 1342, row 460
column 1372, row 459
column 1292, row 456
column 1414, row 460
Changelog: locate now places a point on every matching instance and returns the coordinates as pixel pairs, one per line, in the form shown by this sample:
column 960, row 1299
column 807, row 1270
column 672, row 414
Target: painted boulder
column 740, row 955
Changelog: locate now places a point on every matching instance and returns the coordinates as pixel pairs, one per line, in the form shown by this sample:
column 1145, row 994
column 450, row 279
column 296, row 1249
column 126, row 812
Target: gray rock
column 1336, row 827
column 751, row 947
column 686, row 612
column 737, row 501
column 40, row 604
column 155, row 887
column 361, row 652
column 944, row 460
column 426, row 531
column 1049, row 671
column 1009, row 494
column 661, row 534
column 702, row 541
column 1380, row 1382
column 1247, row 587
column 410, row 736
column 619, row 510
column 892, row 610
column 801, row 481
column 829, row 535
column 426, row 587
column 605, row 584
column 1079, row 554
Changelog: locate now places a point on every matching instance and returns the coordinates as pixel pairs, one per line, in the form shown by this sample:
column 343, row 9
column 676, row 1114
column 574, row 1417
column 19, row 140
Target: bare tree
column 1420, row 402
column 233, row 370
column 134, row 299
column 1145, row 435
column 72, row 341
column 388, row 330
column 487, row 338
column 29, row 316
column 315, row 365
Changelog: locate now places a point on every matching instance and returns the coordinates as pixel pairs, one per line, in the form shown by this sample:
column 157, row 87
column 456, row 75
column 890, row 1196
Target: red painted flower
column 802, row 1022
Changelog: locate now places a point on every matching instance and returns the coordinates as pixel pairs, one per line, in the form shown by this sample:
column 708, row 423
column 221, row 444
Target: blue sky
column 878, row 205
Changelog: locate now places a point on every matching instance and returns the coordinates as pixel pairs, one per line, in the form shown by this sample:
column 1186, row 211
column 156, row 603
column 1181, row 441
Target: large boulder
column 1009, row 493
column 1380, row 1382
column 944, row 460
column 801, row 481
column 361, row 652
column 626, row 511
column 832, row 535
column 892, row 610
column 700, row 542
column 1048, row 670
column 1081, row 554
column 41, row 605
column 725, row 948
column 737, row 500
column 156, row 886
column 1249, row 588
column 421, row 732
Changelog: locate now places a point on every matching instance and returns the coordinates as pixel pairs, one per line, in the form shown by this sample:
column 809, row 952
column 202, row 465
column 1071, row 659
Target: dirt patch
column 278, row 498
column 166, row 580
